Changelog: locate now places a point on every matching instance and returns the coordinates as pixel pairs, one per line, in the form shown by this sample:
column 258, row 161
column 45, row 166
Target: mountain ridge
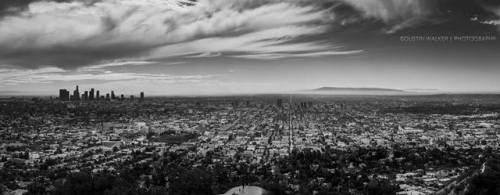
column 360, row 89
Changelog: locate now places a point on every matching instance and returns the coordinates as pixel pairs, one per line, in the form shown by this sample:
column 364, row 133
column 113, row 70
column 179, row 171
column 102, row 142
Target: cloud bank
column 71, row 34
column 13, row 77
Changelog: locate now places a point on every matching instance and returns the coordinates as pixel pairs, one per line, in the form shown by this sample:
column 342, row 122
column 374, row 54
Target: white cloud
column 492, row 22
column 495, row 22
column 206, row 55
column 272, row 56
column 270, row 42
column 134, row 27
column 388, row 10
column 7, row 72
column 398, row 14
column 116, row 64
column 53, row 75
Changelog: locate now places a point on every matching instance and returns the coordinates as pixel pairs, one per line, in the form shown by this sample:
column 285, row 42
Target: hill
column 355, row 91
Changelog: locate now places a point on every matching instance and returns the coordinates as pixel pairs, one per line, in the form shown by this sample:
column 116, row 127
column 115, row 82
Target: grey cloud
column 395, row 15
column 70, row 57
column 8, row 7
column 80, row 35
column 86, row 32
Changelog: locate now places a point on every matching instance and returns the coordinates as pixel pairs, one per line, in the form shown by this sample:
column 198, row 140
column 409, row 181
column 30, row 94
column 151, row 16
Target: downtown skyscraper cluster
column 92, row 95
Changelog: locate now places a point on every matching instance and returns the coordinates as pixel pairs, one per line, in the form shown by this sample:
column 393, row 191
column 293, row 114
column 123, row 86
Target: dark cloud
column 461, row 17
column 82, row 35
column 9, row 7
column 396, row 15
column 72, row 57
column 467, row 8
column 125, row 35
column 187, row 3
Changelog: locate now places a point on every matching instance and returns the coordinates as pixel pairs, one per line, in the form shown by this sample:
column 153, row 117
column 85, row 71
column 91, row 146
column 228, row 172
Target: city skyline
column 93, row 94
column 240, row 97
column 248, row 47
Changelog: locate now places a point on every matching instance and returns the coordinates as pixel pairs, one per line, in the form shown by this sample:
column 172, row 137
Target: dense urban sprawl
column 284, row 144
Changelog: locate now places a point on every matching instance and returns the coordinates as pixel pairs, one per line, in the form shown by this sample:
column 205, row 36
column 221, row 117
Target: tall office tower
column 279, row 102
column 122, row 97
column 112, row 95
column 97, row 96
column 76, row 94
column 66, row 95
column 63, row 95
column 107, row 96
column 86, row 95
column 142, row 96
column 91, row 95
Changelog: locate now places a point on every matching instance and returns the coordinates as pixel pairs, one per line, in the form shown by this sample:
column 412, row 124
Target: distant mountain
column 423, row 90
column 343, row 89
column 355, row 91
column 12, row 93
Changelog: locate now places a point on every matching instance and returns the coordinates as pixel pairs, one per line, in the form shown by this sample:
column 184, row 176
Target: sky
column 206, row 47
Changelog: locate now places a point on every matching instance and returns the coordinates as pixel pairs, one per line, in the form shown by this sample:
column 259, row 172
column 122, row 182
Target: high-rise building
column 76, row 94
column 86, row 96
column 63, row 95
column 91, row 95
column 279, row 102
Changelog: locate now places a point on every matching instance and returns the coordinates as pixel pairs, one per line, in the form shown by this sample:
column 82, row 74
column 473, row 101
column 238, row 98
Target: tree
column 38, row 187
column 86, row 183
column 193, row 182
column 380, row 187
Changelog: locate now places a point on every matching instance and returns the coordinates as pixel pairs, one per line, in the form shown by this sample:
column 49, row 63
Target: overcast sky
column 176, row 47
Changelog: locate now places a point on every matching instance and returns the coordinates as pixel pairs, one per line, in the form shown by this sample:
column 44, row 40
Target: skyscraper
column 63, row 95
column 76, row 94
column 91, row 95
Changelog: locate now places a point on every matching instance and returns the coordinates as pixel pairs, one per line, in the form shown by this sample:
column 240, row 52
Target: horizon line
column 298, row 92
